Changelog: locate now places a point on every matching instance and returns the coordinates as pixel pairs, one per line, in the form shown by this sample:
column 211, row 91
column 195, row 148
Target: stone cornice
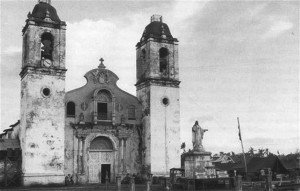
column 43, row 71
column 196, row 153
column 44, row 23
column 160, row 40
column 158, row 82
column 120, row 130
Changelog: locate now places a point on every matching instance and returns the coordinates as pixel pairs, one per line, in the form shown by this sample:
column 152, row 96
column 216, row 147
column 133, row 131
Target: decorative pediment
column 101, row 75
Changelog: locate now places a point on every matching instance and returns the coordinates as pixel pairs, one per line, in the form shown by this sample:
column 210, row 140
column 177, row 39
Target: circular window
column 46, row 92
column 165, row 101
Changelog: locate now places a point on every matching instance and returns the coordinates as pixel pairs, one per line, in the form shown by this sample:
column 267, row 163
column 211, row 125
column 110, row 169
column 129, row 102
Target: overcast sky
column 236, row 59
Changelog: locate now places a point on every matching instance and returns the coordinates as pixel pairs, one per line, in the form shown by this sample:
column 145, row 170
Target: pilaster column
column 120, row 156
column 83, row 155
column 113, row 114
column 78, row 155
column 95, row 112
column 124, row 155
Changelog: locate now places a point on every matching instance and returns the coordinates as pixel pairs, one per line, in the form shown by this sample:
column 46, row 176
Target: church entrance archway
column 101, row 160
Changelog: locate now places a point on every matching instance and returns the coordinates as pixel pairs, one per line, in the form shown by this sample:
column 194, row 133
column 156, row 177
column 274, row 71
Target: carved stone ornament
column 103, row 97
column 119, row 107
column 100, row 77
column 95, row 76
column 103, row 78
column 84, row 106
column 124, row 133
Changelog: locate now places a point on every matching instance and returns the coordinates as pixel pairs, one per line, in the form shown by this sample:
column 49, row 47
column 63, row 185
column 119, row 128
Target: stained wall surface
column 42, row 129
column 165, row 130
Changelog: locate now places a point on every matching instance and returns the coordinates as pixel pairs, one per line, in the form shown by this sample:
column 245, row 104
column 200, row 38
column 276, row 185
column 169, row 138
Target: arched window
column 70, row 109
column 163, row 60
column 101, row 144
column 143, row 55
column 47, row 46
column 25, row 47
column 131, row 112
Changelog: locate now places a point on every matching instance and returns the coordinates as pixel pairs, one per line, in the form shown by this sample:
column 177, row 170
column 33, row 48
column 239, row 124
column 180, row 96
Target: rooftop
column 44, row 9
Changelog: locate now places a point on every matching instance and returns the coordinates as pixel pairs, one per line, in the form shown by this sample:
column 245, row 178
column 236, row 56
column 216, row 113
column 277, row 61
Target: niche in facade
column 131, row 112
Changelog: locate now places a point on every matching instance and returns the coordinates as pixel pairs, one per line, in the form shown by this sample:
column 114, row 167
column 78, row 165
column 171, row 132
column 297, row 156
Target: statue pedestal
column 197, row 164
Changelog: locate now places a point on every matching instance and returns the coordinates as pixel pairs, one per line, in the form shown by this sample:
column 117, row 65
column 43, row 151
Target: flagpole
column 240, row 136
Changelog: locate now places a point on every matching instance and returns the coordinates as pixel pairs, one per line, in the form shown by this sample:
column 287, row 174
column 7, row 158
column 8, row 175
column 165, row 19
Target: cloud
column 277, row 28
column 185, row 9
column 11, row 50
column 89, row 40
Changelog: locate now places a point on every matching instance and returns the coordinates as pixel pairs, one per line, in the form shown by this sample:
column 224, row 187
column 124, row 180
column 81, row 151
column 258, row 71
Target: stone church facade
column 96, row 131
column 103, row 130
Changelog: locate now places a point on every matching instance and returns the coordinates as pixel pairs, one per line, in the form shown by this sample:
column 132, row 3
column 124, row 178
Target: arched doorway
column 101, row 160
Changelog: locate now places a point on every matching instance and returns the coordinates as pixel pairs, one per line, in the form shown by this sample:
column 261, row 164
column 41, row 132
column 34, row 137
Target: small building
column 10, row 162
column 292, row 163
column 257, row 164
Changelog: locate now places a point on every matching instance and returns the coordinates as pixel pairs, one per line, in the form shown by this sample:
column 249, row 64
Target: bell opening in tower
column 163, row 61
column 46, row 46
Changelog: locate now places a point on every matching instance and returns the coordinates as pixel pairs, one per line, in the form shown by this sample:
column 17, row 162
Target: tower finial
column 47, row 14
column 156, row 18
column 101, row 65
column 45, row 1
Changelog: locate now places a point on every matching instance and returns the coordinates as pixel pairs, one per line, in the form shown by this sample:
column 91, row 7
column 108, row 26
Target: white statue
column 197, row 136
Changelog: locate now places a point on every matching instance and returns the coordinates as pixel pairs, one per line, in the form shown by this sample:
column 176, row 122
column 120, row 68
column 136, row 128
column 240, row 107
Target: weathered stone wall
column 149, row 67
column 143, row 95
column 173, row 60
column 198, row 164
column 133, row 159
column 165, row 130
column 71, row 148
column 32, row 46
column 42, row 129
column 143, row 61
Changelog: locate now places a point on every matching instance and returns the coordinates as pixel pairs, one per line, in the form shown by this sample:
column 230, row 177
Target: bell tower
column 158, row 90
column 42, row 96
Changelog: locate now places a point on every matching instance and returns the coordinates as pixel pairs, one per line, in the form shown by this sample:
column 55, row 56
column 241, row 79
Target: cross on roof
column 101, row 65
column 101, row 60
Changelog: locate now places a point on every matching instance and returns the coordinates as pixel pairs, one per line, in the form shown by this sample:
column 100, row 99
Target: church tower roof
column 44, row 14
column 43, row 10
column 157, row 29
